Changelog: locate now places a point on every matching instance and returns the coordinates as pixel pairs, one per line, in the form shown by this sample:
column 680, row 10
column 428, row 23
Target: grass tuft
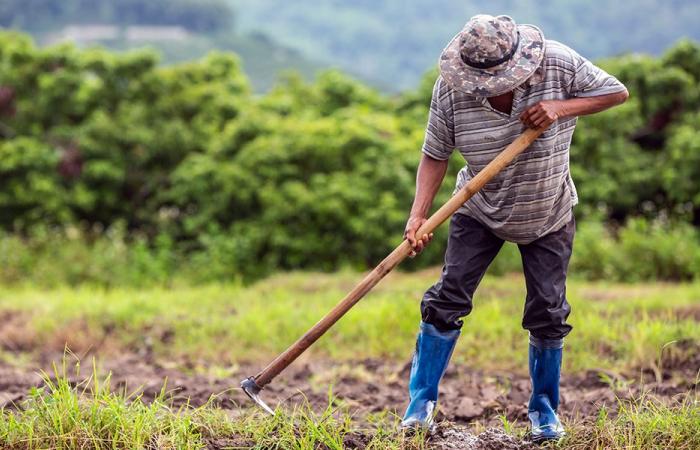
column 643, row 423
column 88, row 414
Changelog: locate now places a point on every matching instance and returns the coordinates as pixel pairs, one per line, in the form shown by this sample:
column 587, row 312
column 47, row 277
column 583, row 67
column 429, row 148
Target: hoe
column 253, row 385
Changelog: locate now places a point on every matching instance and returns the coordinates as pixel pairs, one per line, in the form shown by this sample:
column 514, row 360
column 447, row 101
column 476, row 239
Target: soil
column 468, row 397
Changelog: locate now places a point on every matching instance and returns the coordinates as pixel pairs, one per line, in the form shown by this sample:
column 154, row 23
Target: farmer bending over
column 496, row 78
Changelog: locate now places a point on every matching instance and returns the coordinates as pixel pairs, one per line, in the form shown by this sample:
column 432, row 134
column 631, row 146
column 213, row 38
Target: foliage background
column 115, row 169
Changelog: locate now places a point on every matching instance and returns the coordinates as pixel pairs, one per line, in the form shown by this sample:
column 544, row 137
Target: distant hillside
column 396, row 41
column 179, row 29
column 46, row 15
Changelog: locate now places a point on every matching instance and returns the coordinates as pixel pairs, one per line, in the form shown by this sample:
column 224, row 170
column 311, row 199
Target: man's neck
column 502, row 103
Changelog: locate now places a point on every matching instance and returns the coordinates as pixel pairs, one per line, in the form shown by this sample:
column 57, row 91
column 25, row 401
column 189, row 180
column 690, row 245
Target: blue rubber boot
column 545, row 370
column 433, row 351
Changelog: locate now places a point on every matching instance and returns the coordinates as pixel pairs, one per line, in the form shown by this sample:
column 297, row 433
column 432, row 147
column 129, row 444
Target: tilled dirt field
column 371, row 386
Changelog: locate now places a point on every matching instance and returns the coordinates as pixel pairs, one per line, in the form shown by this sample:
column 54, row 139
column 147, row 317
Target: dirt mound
column 228, row 443
column 459, row 437
column 447, row 437
column 15, row 384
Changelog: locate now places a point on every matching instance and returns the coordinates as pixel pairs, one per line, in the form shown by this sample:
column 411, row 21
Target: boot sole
column 544, row 439
column 416, row 427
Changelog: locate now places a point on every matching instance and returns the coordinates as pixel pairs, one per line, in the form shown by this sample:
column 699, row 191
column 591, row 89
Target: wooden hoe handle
column 395, row 257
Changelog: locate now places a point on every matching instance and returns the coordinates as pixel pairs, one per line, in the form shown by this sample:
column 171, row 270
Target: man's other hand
column 418, row 243
column 543, row 114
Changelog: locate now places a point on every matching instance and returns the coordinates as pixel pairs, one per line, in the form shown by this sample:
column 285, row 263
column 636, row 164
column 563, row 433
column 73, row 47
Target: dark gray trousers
column 471, row 247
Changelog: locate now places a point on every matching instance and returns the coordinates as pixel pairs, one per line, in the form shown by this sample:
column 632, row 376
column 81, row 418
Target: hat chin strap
column 490, row 63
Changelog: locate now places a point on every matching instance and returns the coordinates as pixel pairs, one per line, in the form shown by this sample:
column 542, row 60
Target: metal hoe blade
column 252, row 390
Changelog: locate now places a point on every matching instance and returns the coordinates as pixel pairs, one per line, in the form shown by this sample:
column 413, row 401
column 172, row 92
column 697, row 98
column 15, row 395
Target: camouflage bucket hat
column 491, row 56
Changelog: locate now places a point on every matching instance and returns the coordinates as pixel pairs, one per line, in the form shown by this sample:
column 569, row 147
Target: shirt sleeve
column 589, row 80
column 439, row 134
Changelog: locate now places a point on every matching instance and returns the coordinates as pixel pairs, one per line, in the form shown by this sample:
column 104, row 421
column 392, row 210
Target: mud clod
column 356, row 440
column 228, row 443
column 450, row 437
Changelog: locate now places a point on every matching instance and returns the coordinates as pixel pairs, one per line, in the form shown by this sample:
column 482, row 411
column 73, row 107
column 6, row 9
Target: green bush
column 49, row 257
column 641, row 250
column 185, row 167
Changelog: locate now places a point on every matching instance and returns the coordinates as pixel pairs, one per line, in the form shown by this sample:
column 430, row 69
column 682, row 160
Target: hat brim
column 497, row 80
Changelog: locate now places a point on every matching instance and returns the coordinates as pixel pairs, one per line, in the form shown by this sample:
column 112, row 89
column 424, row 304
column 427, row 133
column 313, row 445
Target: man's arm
column 428, row 180
column 547, row 112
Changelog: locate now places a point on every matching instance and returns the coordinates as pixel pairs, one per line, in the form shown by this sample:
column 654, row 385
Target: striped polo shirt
column 535, row 194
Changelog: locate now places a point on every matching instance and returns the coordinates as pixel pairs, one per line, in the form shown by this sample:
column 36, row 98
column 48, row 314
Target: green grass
column 616, row 327
column 90, row 415
column 641, row 424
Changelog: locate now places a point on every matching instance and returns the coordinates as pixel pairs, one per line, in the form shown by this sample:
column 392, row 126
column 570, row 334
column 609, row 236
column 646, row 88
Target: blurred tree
column 314, row 175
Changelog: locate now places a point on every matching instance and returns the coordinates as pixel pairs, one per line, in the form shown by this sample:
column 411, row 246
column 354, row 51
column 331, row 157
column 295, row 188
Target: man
column 496, row 78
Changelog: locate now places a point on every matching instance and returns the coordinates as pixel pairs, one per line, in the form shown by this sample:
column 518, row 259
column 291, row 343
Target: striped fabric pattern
column 535, row 194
